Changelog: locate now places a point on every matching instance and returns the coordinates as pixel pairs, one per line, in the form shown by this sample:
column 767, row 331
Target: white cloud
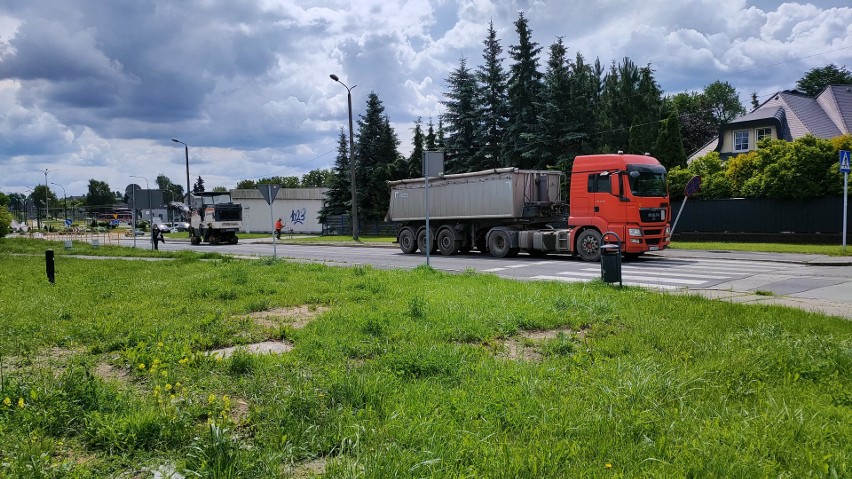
column 96, row 90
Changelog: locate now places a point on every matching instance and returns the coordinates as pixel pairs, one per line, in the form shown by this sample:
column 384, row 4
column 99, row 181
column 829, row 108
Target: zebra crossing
column 661, row 274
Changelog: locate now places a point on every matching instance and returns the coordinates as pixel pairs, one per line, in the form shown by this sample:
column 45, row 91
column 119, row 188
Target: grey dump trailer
column 500, row 211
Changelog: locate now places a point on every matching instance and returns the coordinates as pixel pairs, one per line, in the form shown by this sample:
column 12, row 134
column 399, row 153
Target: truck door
column 608, row 199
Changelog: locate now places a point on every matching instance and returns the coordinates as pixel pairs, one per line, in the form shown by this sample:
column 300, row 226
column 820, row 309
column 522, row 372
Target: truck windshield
column 216, row 199
column 647, row 180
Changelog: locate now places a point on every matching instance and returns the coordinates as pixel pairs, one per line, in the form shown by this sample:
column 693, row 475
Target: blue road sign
column 844, row 161
column 68, row 221
column 113, row 222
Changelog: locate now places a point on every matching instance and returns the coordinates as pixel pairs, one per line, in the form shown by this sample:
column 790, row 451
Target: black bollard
column 48, row 264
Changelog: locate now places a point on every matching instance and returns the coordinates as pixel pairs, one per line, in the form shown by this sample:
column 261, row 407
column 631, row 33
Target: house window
column 741, row 140
column 762, row 133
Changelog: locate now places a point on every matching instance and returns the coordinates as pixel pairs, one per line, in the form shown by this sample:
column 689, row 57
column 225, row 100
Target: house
column 787, row 115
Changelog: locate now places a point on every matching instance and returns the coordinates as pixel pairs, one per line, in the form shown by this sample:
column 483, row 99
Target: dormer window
column 741, row 140
column 762, row 133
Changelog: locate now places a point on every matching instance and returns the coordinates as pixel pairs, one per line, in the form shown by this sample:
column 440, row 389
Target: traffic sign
column 844, row 161
column 692, row 187
column 269, row 192
column 68, row 222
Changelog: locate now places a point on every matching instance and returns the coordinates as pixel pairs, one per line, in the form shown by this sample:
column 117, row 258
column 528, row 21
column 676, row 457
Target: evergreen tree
column 431, row 140
column 376, row 151
column 668, row 148
column 556, row 128
column 198, row 187
column 585, row 87
column 491, row 100
column 415, row 160
column 339, row 194
column 462, row 119
column 523, row 95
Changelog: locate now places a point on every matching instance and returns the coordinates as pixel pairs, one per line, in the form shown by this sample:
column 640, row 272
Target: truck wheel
column 233, row 239
column 447, row 243
column 498, row 243
column 195, row 241
column 407, row 241
column 421, row 241
column 589, row 245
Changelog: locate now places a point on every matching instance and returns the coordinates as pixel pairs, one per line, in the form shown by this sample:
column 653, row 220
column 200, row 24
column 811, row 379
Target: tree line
column 526, row 117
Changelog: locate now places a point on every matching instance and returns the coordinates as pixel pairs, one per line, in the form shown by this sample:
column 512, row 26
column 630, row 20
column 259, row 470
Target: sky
column 96, row 90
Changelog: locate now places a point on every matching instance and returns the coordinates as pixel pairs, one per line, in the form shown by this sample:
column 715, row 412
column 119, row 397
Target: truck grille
column 652, row 215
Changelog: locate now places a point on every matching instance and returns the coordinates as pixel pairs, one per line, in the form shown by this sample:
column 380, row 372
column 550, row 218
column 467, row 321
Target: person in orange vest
column 278, row 226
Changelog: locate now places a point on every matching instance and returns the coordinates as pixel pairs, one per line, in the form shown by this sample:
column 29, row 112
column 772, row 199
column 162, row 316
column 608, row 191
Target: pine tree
column 415, row 160
column 556, row 128
column 491, row 100
column 461, row 119
column 376, row 151
column 431, row 140
column 339, row 194
column 668, row 148
column 523, row 95
column 585, row 88
column 198, row 187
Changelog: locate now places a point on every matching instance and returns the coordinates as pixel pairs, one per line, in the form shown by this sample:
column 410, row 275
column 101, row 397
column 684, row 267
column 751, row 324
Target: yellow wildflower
column 160, row 344
column 608, row 466
column 21, row 403
column 7, row 402
column 141, row 365
column 183, row 360
column 168, row 387
column 211, row 398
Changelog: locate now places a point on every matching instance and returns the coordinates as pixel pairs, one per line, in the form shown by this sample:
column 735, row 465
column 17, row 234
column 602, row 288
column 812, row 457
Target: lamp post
column 64, row 199
column 186, row 155
column 351, row 159
column 46, row 197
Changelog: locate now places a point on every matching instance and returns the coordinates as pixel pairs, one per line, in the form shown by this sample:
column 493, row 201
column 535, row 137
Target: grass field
column 109, row 373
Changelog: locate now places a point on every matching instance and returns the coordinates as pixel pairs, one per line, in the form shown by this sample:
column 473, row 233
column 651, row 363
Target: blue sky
column 93, row 89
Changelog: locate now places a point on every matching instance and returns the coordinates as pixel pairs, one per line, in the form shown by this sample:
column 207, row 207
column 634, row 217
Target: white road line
column 493, row 270
column 626, row 283
column 669, row 273
column 634, row 278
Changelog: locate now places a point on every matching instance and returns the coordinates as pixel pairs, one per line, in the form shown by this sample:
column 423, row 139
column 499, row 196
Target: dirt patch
column 526, row 346
column 108, row 372
column 296, row 317
column 554, row 333
column 306, row 470
column 266, row 347
column 239, row 411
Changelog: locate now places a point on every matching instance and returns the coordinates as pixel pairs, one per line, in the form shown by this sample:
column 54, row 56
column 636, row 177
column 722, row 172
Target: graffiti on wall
column 298, row 216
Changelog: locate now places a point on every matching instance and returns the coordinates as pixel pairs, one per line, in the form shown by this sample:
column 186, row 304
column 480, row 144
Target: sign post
column 692, row 187
column 269, row 193
column 433, row 165
column 845, row 168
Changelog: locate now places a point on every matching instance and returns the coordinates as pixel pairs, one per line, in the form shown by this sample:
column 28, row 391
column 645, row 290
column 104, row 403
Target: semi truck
column 214, row 219
column 505, row 211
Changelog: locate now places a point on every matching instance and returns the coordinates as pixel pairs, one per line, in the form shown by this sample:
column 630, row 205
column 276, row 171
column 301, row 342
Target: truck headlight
column 634, row 231
column 668, row 230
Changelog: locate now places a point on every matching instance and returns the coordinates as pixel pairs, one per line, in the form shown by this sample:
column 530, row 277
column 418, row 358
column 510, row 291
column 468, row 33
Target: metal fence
column 810, row 220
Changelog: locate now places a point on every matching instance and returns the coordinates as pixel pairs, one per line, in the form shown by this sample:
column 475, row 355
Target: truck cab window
column 599, row 183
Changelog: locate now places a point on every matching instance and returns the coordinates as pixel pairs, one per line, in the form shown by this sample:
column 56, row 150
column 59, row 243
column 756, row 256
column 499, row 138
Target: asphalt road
column 809, row 282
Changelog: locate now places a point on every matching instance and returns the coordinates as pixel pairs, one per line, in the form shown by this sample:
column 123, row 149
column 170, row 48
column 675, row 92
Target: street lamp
column 64, row 199
column 46, row 197
column 186, row 155
column 351, row 159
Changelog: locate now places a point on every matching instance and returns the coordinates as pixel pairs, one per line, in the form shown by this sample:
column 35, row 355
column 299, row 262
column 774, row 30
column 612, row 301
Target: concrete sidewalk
column 829, row 276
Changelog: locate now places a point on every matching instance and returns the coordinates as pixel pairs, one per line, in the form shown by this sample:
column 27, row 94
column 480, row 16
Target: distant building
column 297, row 207
column 786, row 115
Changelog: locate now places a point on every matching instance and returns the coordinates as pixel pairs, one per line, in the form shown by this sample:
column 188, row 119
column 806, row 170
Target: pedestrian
column 279, row 225
column 157, row 236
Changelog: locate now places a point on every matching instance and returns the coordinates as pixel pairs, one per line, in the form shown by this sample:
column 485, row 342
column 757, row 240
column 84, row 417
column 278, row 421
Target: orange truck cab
column 624, row 194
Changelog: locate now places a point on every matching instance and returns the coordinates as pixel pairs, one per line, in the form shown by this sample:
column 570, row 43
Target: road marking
column 596, row 273
column 565, row 279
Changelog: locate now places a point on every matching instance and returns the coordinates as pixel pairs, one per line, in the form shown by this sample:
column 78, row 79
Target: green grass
column 405, row 374
column 831, row 250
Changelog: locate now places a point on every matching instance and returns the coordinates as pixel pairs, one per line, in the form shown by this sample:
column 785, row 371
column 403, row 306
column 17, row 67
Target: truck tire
column 447, row 243
column 234, row 239
column 589, row 245
column 421, row 241
column 407, row 240
column 195, row 241
column 498, row 243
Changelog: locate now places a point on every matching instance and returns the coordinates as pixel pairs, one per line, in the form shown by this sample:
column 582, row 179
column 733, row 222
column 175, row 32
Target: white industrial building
column 297, row 207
